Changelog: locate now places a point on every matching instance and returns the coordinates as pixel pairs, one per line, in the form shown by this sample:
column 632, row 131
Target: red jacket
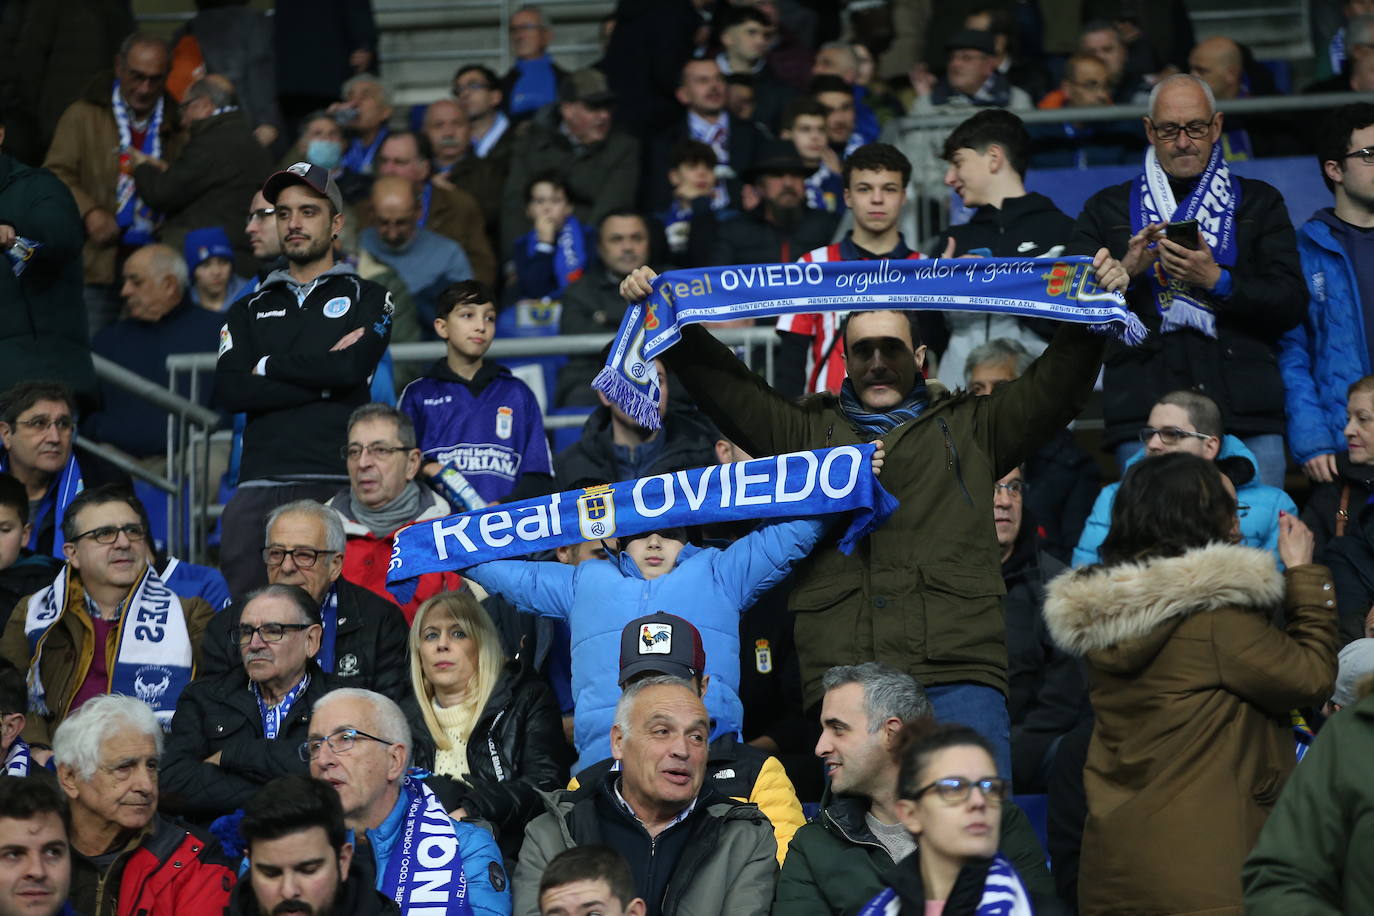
column 367, row 556
column 175, row 871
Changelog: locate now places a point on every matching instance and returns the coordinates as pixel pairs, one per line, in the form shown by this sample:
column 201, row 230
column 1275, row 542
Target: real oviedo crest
column 337, row 307
column 596, row 512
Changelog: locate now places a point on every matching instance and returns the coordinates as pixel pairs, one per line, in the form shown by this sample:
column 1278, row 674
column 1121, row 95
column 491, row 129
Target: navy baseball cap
column 308, row 174
column 661, row 644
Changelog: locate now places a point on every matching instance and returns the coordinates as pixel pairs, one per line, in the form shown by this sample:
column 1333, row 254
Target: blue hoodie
column 708, row 587
column 1258, row 528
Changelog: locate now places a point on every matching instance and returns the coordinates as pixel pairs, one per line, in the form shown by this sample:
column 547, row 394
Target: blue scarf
column 133, row 216
column 1064, row 289
column 436, row 882
column 358, row 158
column 60, row 495
column 329, row 623
column 534, row 87
column 783, row 486
column 569, row 254
column 1003, row 895
column 20, row 253
column 153, row 658
column 1213, row 203
column 274, row 716
column 426, row 198
column 877, row 424
column 19, row 760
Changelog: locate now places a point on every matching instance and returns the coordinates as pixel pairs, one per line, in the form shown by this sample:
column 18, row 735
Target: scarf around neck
column 877, row 424
column 381, row 522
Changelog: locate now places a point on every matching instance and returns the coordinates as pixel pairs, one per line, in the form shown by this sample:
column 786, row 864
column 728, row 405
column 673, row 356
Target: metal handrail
column 125, row 462
column 154, row 393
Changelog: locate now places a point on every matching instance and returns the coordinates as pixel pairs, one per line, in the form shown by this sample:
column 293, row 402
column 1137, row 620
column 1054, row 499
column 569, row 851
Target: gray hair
column 844, row 46
column 220, row 92
column 78, row 739
column 334, row 538
column 627, row 698
column 391, row 722
column 362, row 79
column 405, row 426
column 294, row 595
column 999, row 350
column 164, row 261
column 1179, row 78
column 134, row 39
column 888, row 693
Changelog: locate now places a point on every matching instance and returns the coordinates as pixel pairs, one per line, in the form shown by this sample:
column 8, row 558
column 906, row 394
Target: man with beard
column 780, row 227
column 299, row 857
column 297, row 356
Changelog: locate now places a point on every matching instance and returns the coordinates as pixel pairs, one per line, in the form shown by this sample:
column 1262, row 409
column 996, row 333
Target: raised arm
column 533, row 586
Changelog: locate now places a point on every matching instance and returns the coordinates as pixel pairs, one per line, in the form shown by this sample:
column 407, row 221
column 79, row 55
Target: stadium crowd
column 1023, row 692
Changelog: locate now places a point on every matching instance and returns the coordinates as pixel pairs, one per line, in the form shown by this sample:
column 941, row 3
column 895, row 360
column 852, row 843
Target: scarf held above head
column 1062, row 289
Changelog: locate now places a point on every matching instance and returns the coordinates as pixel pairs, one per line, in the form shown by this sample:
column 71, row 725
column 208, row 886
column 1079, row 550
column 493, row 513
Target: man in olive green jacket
column 922, row 593
column 1314, row 851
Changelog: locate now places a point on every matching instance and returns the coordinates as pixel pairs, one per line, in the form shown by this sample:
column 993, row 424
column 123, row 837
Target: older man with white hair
column 127, row 858
column 360, row 743
column 159, row 320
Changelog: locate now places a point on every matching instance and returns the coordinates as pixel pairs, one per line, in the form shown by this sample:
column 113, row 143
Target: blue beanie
column 204, row 244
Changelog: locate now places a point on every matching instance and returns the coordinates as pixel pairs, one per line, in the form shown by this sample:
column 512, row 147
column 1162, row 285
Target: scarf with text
column 425, row 871
column 794, row 485
column 1004, row 894
column 1063, row 289
column 153, row 659
column 60, row 495
column 134, row 216
column 1213, row 203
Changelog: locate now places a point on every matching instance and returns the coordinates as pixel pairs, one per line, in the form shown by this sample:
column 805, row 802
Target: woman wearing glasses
column 495, row 736
column 950, row 797
column 1192, row 685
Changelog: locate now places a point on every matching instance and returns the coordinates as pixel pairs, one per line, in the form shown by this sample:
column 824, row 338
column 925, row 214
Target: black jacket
column 1350, row 558
column 687, row 442
column 746, row 145
column 32, row 572
column 1352, row 488
column 1239, row 369
column 1046, row 693
column 298, row 409
column 357, row 896
column 220, row 714
column 515, row 751
column 1064, row 482
column 43, row 323
column 750, row 239
column 369, row 650
column 221, row 166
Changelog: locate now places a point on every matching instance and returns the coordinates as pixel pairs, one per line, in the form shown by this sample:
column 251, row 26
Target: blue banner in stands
column 797, row 484
column 1061, row 289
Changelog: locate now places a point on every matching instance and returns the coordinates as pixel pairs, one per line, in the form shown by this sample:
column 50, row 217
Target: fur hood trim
column 1101, row 606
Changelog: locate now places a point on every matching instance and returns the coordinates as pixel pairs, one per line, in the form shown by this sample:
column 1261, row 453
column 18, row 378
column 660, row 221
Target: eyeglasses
column 1015, row 488
column 1169, row 435
column 260, row 215
column 956, row 789
column 470, row 86
column 108, row 534
column 341, row 742
column 148, row 79
column 38, row 425
column 1366, row 155
column 270, row 632
column 354, row 452
column 303, row 557
column 1195, row 129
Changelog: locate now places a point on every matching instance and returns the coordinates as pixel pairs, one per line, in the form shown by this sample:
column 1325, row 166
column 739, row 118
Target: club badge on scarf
column 1062, row 289
column 1213, row 203
column 425, row 871
column 153, row 661
column 797, row 484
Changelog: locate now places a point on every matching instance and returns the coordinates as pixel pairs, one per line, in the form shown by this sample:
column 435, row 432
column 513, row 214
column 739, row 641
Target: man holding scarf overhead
column 1216, row 306
column 923, row 592
column 107, row 624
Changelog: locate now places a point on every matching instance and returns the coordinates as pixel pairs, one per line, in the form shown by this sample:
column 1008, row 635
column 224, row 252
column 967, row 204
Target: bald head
column 1219, row 63
column 206, row 96
column 154, row 281
column 394, row 210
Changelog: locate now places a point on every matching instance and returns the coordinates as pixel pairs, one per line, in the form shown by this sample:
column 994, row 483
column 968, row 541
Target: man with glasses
column 235, row 732
column 126, row 857
column 1334, row 348
column 362, row 636
column 382, row 497
column 360, row 744
column 73, row 637
column 839, row 860
column 264, row 240
column 92, row 153
column 479, row 94
column 1185, row 421
column 1216, row 296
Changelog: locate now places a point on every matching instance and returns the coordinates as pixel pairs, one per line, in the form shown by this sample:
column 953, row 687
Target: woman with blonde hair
column 486, row 726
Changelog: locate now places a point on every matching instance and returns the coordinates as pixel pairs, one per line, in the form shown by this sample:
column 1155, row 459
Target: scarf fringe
column 636, row 404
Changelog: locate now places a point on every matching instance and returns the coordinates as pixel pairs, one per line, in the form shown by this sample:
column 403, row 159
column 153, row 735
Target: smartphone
column 1184, row 233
